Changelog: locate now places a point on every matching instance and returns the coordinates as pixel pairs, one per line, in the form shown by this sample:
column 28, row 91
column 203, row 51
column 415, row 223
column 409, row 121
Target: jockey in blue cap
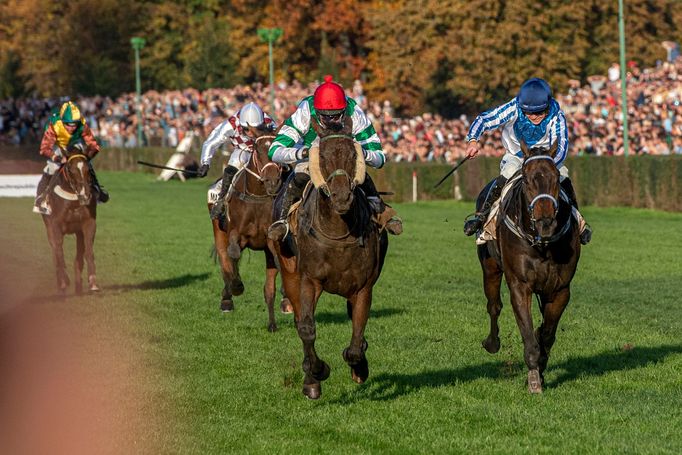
column 535, row 117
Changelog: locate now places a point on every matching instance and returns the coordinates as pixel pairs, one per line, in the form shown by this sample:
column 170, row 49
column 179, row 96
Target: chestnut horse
column 339, row 250
column 249, row 209
column 537, row 250
column 74, row 211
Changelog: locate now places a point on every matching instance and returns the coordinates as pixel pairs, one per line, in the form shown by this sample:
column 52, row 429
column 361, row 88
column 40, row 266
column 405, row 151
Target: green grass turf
column 220, row 383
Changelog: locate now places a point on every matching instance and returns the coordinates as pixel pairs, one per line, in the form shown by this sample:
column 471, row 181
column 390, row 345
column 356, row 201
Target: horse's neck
column 250, row 184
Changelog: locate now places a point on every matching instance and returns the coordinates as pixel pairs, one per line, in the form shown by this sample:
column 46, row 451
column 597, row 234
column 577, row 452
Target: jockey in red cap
column 329, row 106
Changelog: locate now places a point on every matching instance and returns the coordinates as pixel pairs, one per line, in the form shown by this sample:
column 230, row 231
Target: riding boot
column 40, row 205
column 293, row 192
column 473, row 223
column 102, row 194
column 585, row 229
column 385, row 214
column 218, row 209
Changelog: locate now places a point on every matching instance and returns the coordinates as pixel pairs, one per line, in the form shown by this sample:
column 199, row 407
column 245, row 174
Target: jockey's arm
column 283, row 149
column 560, row 132
column 367, row 137
column 92, row 146
column 48, row 143
column 220, row 134
column 492, row 120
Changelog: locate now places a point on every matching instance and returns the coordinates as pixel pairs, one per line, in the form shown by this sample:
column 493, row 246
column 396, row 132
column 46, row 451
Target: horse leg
column 492, row 278
column 56, row 239
column 315, row 369
column 354, row 354
column 285, row 303
column 270, row 288
column 234, row 252
column 226, row 268
column 521, row 303
column 78, row 263
column 546, row 333
column 89, row 231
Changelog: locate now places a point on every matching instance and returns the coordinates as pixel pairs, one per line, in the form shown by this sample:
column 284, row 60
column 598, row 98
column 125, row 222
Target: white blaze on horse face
column 81, row 168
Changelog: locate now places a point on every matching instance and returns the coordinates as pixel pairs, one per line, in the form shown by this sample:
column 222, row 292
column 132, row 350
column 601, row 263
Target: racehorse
column 249, row 211
column 537, row 250
column 74, row 211
column 340, row 250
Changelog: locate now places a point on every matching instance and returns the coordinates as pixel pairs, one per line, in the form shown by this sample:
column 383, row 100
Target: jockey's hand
column 59, row 159
column 473, row 147
column 302, row 153
column 203, row 170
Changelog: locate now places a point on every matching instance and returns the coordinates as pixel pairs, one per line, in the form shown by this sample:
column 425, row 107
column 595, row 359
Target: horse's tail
column 213, row 252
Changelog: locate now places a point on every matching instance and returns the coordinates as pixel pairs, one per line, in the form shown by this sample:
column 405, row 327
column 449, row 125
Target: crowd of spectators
column 593, row 114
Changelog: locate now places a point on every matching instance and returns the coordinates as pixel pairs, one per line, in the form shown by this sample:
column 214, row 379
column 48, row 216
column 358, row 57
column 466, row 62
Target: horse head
column 541, row 188
column 270, row 173
column 337, row 165
column 77, row 176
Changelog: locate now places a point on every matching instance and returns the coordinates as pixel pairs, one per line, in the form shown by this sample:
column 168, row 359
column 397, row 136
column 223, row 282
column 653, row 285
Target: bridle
column 336, row 172
column 66, row 174
column 260, row 167
column 537, row 240
column 540, row 196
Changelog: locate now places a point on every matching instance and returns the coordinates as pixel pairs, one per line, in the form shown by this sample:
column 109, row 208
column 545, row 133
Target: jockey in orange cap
column 65, row 132
column 329, row 107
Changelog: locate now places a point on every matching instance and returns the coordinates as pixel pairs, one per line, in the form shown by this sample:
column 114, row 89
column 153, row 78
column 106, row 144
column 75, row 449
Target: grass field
column 220, row 383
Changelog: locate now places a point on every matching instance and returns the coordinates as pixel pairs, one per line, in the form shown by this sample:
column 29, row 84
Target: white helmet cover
column 251, row 115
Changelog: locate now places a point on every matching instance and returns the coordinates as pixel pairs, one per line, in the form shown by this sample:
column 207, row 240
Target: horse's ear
column 315, row 124
column 524, row 148
column 553, row 149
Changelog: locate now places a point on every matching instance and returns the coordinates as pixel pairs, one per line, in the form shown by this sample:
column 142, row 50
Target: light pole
column 623, row 83
column 270, row 35
column 138, row 43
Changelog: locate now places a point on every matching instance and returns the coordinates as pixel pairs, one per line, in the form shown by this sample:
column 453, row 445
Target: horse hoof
column 534, row 381
column 272, row 328
column 226, row 306
column 237, row 287
column 312, row 391
column 286, row 306
column 79, row 290
column 360, row 371
column 492, row 345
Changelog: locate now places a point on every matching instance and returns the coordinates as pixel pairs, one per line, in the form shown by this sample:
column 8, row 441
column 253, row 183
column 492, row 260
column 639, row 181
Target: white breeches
column 239, row 158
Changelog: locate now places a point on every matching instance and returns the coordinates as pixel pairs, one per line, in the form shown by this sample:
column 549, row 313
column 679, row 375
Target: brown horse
column 537, row 249
column 250, row 215
column 340, row 251
column 74, row 211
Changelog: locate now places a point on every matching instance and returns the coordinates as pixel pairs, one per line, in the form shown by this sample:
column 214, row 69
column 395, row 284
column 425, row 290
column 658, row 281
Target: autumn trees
column 447, row 56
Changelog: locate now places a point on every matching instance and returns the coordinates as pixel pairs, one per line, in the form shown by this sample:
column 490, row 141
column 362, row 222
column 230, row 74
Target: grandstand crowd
column 592, row 111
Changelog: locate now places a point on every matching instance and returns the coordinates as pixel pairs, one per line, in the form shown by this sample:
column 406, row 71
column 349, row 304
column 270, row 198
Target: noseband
column 337, row 172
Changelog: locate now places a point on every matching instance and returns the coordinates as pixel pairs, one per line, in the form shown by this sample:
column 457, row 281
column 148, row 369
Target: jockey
column 240, row 129
column 535, row 117
column 66, row 129
column 328, row 107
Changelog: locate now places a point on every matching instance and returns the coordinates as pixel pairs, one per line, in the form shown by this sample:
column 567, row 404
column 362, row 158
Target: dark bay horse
column 537, row 249
column 340, row 251
column 74, row 211
column 249, row 216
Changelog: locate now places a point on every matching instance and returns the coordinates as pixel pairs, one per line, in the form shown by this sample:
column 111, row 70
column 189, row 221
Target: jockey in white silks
column 240, row 129
column 535, row 117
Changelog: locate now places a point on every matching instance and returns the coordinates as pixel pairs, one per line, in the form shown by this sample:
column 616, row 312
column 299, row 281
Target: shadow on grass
column 385, row 387
column 170, row 283
column 607, row 362
column 340, row 317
